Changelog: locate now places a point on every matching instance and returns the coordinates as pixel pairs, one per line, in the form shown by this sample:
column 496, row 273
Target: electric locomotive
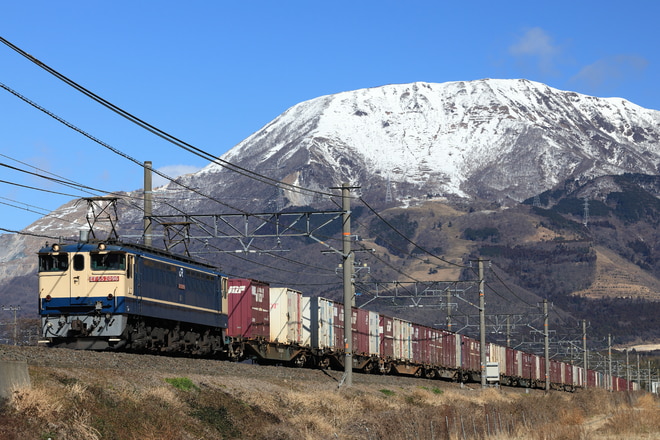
column 104, row 295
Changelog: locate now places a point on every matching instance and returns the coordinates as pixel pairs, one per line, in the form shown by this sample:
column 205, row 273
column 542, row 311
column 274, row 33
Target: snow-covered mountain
column 493, row 139
column 500, row 141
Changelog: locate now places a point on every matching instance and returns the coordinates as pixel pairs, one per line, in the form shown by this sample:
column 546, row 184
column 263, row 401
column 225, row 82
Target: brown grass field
column 125, row 399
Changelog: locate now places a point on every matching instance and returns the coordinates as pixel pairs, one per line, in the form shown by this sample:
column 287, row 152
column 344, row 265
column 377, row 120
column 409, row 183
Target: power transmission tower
column 388, row 192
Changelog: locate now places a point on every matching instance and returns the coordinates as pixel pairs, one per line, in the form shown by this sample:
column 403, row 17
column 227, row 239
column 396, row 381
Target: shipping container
column 497, row 354
column 434, row 356
column 402, row 339
column 568, row 375
column 594, row 378
column 471, row 354
column 555, row 371
column 249, row 304
column 307, row 322
column 578, row 376
column 451, row 350
column 360, row 331
column 528, row 367
column 374, row 333
column 418, row 343
column 320, row 322
column 285, row 315
column 386, row 330
column 513, row 363
column 340, row 340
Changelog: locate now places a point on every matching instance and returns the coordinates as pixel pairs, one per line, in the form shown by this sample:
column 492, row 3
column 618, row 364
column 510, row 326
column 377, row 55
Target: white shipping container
column 307, row 322
column 321, row 317
column 459, row 350
column 497, row 354
column 538, row 373
column 374, row 333
column 285, row 315
column 402, row 339
column 577, row 375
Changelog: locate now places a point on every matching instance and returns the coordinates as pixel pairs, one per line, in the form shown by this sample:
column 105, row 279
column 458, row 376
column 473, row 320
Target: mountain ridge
column 437, row 137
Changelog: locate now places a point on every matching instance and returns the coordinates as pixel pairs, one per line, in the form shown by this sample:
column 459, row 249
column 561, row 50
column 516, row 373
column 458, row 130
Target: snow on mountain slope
column 489, row 138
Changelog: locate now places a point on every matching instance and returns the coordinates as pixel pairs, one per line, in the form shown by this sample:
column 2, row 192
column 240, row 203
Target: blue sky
column 214, row 72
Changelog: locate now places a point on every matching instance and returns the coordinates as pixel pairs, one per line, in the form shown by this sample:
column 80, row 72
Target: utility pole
column 448, row 309
column 482, row 323
column 347, row 266
column 639, row 374
column 609, row 360
column 148, row 203
column 627, row 371
column 585, row 353
column 546, row 348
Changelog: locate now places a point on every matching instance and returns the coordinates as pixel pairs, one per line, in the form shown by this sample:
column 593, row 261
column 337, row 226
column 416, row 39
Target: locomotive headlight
column 48, row 297
column 101, row 246
column 110, row 296
column 56, row 247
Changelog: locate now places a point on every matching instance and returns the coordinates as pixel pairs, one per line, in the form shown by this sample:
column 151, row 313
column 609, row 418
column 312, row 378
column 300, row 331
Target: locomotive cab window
column 53, row 262
column 78, row 262
column 109, row 261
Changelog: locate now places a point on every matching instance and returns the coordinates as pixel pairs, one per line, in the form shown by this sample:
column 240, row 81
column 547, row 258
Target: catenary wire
column 115, row 150
column 160, row 133
column 64, row 182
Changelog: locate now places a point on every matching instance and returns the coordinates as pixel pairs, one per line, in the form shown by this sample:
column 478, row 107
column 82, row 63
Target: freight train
column 100, row 296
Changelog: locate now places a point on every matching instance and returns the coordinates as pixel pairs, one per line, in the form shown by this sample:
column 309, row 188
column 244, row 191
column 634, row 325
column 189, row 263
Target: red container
column 360, row 330
column 555, row 371
column 512, row 363
column 528, row 367
column 386, row 329
column 249, row 302
column 568, row 374
column 471, row 354
column 434, row 354
column 449, row 354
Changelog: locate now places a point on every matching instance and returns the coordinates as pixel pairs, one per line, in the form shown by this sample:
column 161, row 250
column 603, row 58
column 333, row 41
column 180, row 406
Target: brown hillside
column 618, row 278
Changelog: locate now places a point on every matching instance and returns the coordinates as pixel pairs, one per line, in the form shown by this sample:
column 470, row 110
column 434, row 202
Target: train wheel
column 300, row 361
column 324, row 363
column 430, row 373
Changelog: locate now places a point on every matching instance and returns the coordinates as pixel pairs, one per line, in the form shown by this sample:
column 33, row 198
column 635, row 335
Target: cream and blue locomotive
column 97, row 295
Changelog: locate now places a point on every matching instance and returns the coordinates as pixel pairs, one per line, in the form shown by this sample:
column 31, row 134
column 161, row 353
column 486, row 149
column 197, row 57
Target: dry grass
column 107, row 404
